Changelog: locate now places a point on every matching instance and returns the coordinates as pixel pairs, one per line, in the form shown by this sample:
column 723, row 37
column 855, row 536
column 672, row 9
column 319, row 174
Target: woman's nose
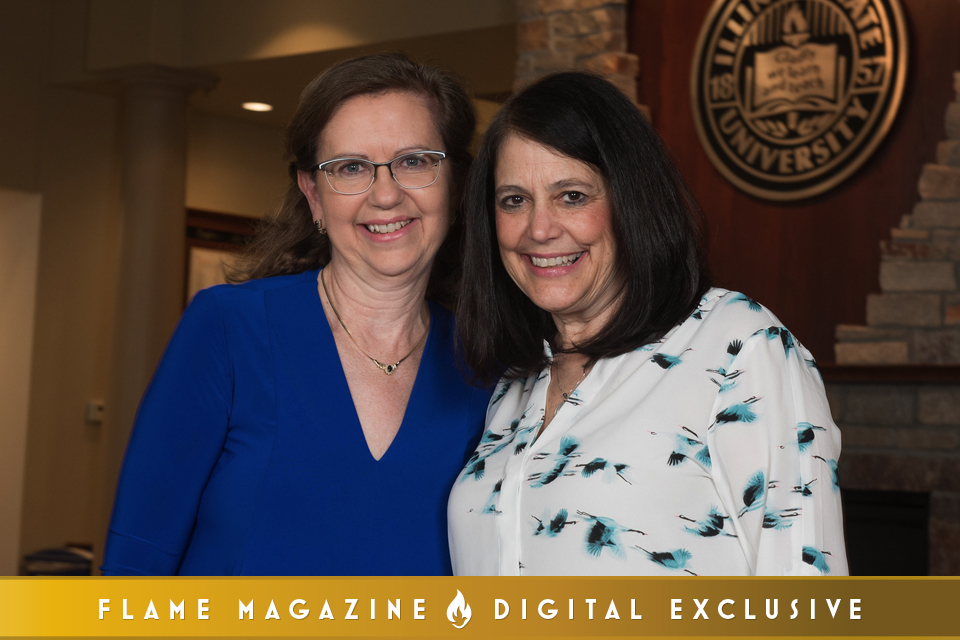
column 543, row 225
column 385, row 192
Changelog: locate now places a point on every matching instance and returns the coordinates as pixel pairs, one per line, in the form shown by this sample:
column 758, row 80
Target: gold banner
column 478, row 607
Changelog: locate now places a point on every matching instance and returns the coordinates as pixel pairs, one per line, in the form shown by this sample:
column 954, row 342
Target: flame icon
column 458, row 609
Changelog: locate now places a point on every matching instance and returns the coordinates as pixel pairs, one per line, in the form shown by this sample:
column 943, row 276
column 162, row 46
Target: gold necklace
column 386, row 368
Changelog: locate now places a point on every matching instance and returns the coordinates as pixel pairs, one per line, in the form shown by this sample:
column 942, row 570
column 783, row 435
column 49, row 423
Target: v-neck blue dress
column 247, row 456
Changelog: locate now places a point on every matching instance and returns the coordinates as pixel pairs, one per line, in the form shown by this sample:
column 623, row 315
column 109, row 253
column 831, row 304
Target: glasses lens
column 349, row 176
column 416, row 170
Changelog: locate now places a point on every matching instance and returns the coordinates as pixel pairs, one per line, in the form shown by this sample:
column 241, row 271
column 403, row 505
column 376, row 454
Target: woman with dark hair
column 311, row 419
column 647, row 424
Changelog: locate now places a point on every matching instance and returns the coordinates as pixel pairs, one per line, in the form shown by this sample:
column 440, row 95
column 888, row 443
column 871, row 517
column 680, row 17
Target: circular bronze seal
column 790, row 97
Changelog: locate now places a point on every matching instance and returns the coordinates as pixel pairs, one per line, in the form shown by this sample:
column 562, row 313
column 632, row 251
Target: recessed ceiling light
column 257, row 106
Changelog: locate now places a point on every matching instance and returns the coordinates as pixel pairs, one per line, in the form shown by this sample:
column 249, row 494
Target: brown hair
column 288, row 242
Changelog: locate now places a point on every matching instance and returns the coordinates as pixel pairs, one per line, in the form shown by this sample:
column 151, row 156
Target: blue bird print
column 754, row 491
column 522, row 440
column 752, row 304
column 555, row 526
column 733, row 350
column 729, row 381
column 650, row 346
column 816, row 558
column 789, row 345
column 686, row 445
column 778, row 521
column 806, row 434
column 667, row 361
column 803, row 489
column 610, row 470
column 501, row 391
column 476, row 466
column 491, row 506
column 676, row 559
column 813, row 365
column 834, row 471
column 568, row 446
column 769, row 332
column 605, row 534
column 491, row 437
column 710, row 526
column 739, row 412
column 493, row 443
column 786, row 338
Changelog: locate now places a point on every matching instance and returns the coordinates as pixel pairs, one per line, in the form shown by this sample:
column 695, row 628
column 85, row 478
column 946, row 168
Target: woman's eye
column 574, row 197
column 512, row 202
column 348, row 169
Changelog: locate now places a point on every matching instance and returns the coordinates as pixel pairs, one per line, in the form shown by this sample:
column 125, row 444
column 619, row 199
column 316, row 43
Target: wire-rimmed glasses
column 350, row 176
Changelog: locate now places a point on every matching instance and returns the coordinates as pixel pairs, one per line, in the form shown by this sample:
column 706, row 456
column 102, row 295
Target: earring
column 319, row 225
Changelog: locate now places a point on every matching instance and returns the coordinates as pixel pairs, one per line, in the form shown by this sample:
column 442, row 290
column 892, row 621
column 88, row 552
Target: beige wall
column 19, row 249
column 75, row 307
column 233, row 166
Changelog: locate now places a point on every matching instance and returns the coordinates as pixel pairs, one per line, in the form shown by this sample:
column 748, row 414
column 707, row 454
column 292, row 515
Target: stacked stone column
column 559, row 35
column 916, row 318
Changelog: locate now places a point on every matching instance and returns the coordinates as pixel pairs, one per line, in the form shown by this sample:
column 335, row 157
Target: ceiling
column 483, row 58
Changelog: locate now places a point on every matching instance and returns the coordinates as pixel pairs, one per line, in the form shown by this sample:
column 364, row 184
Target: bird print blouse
column 709, row 452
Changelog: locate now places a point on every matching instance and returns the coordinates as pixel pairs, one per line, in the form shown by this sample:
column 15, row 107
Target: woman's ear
column 308, row 187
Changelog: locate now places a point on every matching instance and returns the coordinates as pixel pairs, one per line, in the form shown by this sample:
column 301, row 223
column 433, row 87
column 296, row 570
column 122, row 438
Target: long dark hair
column 660, row 257
column 288, row 242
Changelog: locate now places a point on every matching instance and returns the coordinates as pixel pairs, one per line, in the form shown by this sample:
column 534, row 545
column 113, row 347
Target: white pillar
column 152, row 239
column 19, row 259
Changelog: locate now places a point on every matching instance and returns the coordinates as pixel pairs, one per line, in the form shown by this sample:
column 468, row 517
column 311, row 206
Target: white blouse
column 709, row 452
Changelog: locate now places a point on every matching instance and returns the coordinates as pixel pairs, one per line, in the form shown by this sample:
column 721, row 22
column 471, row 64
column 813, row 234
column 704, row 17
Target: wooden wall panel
column 811, row 262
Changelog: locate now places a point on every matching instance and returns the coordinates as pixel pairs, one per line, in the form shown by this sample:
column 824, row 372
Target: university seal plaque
column 790, row 97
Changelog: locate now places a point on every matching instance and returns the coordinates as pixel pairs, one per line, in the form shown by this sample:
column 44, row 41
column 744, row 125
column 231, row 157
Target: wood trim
column 224, row 222
column 891, row 374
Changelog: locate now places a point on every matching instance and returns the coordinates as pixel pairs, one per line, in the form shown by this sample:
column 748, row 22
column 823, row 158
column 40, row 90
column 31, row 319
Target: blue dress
column 247, row 456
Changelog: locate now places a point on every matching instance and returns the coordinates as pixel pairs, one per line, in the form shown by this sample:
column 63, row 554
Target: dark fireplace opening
column 887, row 532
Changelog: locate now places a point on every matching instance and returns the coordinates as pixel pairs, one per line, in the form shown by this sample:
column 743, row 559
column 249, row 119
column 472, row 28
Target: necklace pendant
column 390, row 368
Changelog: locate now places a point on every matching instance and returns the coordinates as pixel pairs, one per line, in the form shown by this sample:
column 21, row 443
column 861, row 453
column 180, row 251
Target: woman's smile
column 385, row 231
column 558, row 265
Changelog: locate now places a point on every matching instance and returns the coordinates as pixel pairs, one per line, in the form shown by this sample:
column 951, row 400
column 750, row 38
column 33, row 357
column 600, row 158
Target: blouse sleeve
column 177, row 438
column 775, row 448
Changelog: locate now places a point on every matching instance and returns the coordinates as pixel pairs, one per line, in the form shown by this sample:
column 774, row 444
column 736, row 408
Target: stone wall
column 916, row 318
column 906, row 437
column 559, row 35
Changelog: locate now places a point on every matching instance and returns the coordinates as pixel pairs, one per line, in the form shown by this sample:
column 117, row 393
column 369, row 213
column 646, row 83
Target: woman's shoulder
column 733, row 311
column 231, row 302
column 273, row 282
column 725, row 318
column 251, row 289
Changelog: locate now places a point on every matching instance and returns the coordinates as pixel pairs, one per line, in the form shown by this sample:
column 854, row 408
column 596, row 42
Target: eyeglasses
column 350, row 176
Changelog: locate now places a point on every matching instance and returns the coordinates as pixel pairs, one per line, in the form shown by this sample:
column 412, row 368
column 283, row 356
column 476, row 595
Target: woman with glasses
column 647, row 424
column 312, row 419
